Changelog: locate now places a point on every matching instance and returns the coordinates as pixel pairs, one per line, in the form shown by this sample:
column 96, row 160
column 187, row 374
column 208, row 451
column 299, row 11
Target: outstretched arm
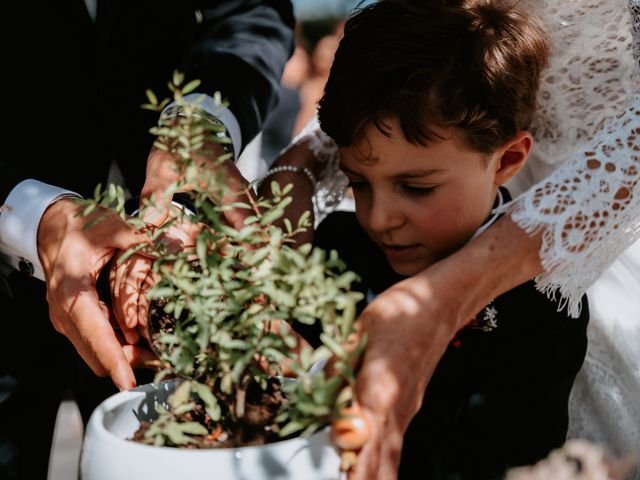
column 587, row 210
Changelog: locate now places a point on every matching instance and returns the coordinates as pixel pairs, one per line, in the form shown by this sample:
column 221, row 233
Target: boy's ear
column 512, row 155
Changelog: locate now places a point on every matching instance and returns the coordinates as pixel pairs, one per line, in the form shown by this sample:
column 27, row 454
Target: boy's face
column 419, row 204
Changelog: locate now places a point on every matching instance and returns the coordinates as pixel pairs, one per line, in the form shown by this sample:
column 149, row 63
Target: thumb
column 120, row 235
column 154, row 204
column 162, row 172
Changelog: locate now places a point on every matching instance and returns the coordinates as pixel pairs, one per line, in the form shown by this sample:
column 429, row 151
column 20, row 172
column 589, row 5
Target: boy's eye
column 417, row 190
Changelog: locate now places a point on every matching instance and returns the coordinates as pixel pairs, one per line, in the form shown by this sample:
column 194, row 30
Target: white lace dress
column 587, row 162
column 582, row 184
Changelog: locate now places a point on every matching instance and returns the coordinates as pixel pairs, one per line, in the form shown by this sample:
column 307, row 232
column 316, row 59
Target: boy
column 429, row 102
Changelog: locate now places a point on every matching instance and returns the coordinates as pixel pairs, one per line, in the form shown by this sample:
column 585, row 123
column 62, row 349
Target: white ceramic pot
column 108, row 455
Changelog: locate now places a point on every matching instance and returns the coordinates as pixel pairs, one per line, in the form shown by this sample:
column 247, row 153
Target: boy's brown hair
column 473, row 65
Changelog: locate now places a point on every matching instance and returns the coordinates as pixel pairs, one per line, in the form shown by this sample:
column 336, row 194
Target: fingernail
column 123, row 378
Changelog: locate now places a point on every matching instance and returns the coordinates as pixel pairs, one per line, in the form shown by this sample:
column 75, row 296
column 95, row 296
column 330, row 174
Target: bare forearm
column 298, row 156
column 500, row 259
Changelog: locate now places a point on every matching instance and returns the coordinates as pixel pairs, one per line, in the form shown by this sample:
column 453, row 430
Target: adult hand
column 131, row 279
column 410, row 325
column 72, row 258
column 402, row 352
column 163, row 170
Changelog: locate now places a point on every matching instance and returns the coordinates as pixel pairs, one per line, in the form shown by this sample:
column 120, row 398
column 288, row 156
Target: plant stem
column 241, row 396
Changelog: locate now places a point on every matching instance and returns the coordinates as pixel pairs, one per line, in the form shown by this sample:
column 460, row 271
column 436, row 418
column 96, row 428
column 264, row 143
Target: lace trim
column 587, row 209
column 331, row 183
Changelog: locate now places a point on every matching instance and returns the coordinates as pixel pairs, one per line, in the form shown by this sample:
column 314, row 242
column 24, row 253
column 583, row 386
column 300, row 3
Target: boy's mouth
column 395, row 252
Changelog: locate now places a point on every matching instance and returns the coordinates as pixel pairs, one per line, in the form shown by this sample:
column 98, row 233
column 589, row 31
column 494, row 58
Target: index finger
column 96, row 342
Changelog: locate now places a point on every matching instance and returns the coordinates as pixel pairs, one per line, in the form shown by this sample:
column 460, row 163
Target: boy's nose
column 384, row 215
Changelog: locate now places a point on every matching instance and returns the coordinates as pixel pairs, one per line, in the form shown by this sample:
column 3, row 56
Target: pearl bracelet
column 286, row 168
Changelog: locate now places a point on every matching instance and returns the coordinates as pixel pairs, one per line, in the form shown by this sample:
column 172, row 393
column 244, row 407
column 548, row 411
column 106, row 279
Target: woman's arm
column 297, row 155
column 314, row 151
column 588, row 210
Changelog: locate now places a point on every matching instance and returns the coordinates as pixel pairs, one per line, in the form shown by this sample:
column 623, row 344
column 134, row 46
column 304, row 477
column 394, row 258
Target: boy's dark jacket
column 497, row 399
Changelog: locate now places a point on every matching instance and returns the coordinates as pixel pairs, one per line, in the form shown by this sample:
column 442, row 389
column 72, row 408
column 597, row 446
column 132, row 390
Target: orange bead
column 351, row 430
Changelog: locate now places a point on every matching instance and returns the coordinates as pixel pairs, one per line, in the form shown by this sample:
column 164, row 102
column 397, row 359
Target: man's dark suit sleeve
column 239, row 48
column 241, row 52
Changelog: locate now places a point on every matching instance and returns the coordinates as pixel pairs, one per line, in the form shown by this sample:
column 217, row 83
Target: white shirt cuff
column 19, row 220
column 222, row 113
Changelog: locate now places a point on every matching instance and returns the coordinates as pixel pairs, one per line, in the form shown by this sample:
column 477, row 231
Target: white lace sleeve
column 589, row 207
column 332, row 183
